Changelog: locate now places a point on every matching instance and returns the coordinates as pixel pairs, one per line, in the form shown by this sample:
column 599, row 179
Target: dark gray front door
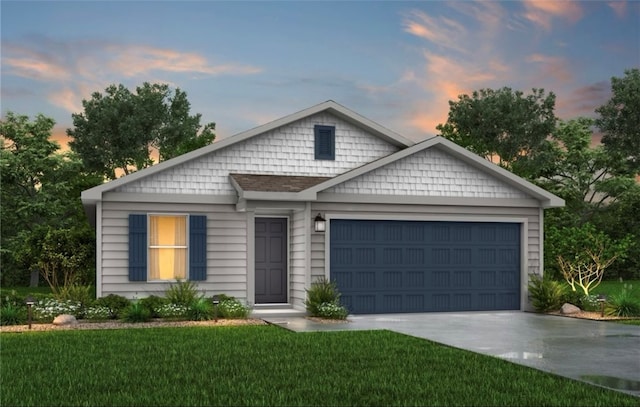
column 271, row 260
column 407, row 266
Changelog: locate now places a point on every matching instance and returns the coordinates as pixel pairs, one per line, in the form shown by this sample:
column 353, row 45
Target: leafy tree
column 40, row 192
column 588, row 178
column 622, row 218
column 582, row 254
column 620, row 118
column 504, row 126
column 118, row 130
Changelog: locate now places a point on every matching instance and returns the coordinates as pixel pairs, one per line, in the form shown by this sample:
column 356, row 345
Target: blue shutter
column 325, row 142
column 137, row 247
column 197, row 247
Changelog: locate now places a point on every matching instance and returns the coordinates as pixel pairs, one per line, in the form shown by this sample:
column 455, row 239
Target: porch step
column 272, row 311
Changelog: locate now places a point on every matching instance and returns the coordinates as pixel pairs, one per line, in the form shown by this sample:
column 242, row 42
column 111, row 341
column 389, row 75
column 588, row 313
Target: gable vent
column 325, row 142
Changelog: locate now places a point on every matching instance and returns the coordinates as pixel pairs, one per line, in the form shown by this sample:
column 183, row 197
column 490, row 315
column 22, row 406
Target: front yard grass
column 269, row 366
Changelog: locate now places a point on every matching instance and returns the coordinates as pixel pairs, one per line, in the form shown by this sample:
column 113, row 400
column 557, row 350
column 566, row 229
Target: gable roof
column 92, row 195
column 547, row 199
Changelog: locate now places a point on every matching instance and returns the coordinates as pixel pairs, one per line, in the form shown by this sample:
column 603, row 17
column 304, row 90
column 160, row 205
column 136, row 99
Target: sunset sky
column 245, row 63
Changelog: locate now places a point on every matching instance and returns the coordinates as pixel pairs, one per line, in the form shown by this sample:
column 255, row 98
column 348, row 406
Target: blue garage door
column 410, row 266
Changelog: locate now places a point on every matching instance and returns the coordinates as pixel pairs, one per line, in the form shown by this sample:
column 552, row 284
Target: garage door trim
column 524, row 242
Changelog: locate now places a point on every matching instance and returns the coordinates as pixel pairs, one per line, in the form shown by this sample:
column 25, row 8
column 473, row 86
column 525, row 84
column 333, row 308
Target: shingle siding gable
column 432, row 173
column 288, row 150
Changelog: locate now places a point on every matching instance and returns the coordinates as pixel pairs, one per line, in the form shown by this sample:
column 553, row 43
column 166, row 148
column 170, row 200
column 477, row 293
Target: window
column 325, row 142
column 167, row 247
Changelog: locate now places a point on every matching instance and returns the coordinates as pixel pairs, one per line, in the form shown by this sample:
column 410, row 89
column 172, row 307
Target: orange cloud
column 67, row 99
column 554, row 67
column 441, row 31
column 137, row 60
column 542, row 12
column 59, row 135
column 619, row 7
column 73, row 71
column 34, row 68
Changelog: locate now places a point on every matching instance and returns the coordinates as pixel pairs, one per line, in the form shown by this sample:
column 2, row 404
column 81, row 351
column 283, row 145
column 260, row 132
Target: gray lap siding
column 226, row 249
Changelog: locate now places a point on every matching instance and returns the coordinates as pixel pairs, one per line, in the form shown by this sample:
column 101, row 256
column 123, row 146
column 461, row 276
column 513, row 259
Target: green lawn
column 609, row 287
column 269, row 366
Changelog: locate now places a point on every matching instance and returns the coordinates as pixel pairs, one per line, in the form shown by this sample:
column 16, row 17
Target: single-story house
column 402, row 226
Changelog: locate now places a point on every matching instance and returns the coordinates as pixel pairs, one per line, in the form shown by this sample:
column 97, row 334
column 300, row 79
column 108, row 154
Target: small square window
column 325, row 142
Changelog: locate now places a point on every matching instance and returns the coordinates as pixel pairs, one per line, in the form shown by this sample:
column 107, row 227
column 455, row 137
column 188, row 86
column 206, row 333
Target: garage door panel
column 411, row 266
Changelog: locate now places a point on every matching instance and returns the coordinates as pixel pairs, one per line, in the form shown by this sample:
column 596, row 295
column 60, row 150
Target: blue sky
column 245, row 63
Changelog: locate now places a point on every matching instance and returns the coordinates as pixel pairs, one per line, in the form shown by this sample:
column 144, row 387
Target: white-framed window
column 168, row 237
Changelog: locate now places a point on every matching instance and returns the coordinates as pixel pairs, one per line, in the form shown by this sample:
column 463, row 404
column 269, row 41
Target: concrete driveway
column 601, row 353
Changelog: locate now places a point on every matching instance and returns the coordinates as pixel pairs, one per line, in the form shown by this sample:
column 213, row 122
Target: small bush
column 153, row 303
column 584, row 302
column 136, row 312
column 172, row 311
column 182, row 293
column 49, row 308
column 321, row 292
column 11, row 314
column 115, row 303
column 77, row 293
column 546, row 294
column 13, row 298
column 97, row 313
column 200, row 310
column 230, row 307
column 332, row 311
column 623, row 304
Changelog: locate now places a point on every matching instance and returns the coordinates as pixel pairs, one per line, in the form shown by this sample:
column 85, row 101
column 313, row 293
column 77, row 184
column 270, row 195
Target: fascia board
column 278, row 196
column 369, row 125
column 381, row 162
column 548, row 199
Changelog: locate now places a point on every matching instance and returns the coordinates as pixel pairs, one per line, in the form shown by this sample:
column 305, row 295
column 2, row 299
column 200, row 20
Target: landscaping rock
column 569, row 309
column 65, row 319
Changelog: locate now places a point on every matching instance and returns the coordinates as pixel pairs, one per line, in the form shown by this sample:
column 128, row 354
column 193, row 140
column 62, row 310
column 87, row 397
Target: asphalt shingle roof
column 276, row 183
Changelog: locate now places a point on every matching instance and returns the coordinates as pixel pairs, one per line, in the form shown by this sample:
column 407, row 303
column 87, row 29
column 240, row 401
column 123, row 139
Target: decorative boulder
column 569, row 309
column 65, row 319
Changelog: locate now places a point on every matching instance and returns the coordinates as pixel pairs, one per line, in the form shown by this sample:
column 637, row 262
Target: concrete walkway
column 601, row 353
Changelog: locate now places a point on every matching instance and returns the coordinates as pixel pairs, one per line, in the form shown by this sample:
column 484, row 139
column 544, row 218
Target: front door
column 271, row 260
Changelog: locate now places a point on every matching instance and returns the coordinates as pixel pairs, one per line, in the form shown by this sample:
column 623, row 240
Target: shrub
column 153, row 303
column 182, row 293
column 136, row 312
column 97, row 313
column 546, row 294
column 172, row 311
column 584, row 302
column 332, row 311
column 115, row 303
column 49, row 308
column 11, row 314
column 81, row 294
column 321, row 292
column 13, row 298
column 230, row 307
column 200, row 310
column 623, row 304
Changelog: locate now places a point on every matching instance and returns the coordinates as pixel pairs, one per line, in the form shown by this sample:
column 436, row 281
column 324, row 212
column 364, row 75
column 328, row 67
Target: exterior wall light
column 319, row 223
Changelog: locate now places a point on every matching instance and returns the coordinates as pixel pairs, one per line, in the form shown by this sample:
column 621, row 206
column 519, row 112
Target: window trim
column 186, row 247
